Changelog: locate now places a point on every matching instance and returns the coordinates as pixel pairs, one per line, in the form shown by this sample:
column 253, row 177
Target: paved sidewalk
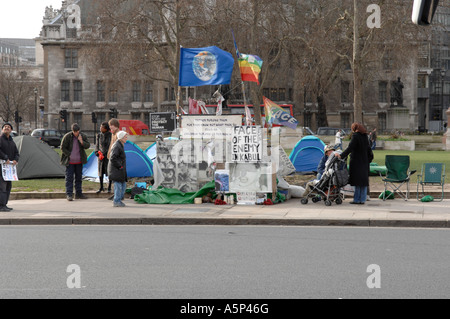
column 98, row 210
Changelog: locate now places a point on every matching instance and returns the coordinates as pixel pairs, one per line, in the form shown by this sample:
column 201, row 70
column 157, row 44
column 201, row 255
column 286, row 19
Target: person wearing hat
column 321, row 167
column 73, row 156
column 117, row 168
column 10, row 155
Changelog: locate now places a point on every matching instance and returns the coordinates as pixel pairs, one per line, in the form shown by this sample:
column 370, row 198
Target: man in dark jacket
column 73, row 155
column 117, row 168
column 10, row 155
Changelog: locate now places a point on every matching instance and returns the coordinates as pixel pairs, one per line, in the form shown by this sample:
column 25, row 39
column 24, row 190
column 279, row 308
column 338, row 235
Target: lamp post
column 442, row 95
column 35, row 107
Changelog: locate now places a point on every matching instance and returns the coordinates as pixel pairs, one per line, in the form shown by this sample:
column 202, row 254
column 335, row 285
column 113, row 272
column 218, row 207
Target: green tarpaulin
column 375, row 169
column 173, row 196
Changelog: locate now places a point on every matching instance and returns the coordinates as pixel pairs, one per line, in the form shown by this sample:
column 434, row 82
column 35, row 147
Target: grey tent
column 37, row 159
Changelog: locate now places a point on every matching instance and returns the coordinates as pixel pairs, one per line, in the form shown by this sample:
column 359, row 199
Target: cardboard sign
column 247, row 144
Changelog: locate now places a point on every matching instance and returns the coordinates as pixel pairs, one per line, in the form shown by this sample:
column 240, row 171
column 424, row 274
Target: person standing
column 101, row 151
column 10, row 154
column 338, row 140
column 114, row 125
column 360, row 157
column 117, row 168
column 373, row 139
column 73, row 156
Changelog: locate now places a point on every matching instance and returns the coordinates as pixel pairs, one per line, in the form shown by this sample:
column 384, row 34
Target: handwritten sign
column 9, row 172
column 247, row 144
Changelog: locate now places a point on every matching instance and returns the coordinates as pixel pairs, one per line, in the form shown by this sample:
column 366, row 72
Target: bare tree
column 327, row 35
column 16, row 93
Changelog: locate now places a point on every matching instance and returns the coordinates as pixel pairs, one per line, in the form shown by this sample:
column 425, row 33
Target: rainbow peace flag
column 250, row 66
column 275, row 114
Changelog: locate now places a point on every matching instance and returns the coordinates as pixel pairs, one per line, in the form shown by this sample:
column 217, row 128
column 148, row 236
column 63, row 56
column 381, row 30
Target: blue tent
column 307, row 154
column 138, row 163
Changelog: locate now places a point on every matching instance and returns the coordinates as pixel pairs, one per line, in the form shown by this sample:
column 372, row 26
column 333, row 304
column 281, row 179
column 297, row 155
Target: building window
column 345, row 92
column 345, row 120
column 422, row 81
column 266, row 92
column 71, row 58
column 148, row 92
column 436, row 114
column 388, row 62
column 136, row 91
column 282, row 94
column 100, row 91
column 382, row 122
column 166, row 94
column 113, row 95
column 291, row 94
column 136, row 116
column 274, row 94
column 71, row 33
column 65, row 91
column 101, row 117
column 77, row 91
column 382, row 92
column 78, row 118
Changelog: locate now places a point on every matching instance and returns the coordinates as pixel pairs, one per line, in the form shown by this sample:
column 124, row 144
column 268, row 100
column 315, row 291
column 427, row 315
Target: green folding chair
column 397, row 175
column 433, row 174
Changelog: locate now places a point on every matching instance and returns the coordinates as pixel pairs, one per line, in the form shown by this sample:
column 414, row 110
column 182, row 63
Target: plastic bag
column 427, row 198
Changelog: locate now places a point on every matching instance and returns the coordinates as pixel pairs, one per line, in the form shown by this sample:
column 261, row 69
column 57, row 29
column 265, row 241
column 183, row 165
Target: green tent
column 37, row 159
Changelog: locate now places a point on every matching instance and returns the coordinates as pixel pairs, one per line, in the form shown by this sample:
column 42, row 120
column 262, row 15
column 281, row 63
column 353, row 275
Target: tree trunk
column 322, row 120
column 254, row 89
column 357, row 77
column 256, row 100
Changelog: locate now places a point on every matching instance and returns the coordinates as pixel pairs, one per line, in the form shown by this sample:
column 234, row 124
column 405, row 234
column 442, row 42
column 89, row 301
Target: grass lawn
column 417, row 159
column 50, row 185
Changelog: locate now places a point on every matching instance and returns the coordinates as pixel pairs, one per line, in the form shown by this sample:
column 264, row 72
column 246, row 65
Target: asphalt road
column 223, row 262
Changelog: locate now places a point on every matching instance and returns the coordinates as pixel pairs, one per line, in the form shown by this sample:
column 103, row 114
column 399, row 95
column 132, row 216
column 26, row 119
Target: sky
column 23, row 18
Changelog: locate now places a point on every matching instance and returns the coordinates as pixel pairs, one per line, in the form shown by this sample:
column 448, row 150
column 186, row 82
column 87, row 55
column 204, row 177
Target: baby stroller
column 328, row 187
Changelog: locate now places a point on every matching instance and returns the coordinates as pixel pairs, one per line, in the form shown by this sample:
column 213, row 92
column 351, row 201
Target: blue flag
column 205, row 66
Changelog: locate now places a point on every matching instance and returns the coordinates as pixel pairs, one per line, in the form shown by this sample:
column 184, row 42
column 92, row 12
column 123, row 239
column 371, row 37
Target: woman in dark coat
column 101, row 150
column 117, row 168
column 360, row 157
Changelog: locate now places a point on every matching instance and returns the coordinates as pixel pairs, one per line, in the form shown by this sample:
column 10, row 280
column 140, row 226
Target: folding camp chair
column 433, row 174
column 397, row 175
